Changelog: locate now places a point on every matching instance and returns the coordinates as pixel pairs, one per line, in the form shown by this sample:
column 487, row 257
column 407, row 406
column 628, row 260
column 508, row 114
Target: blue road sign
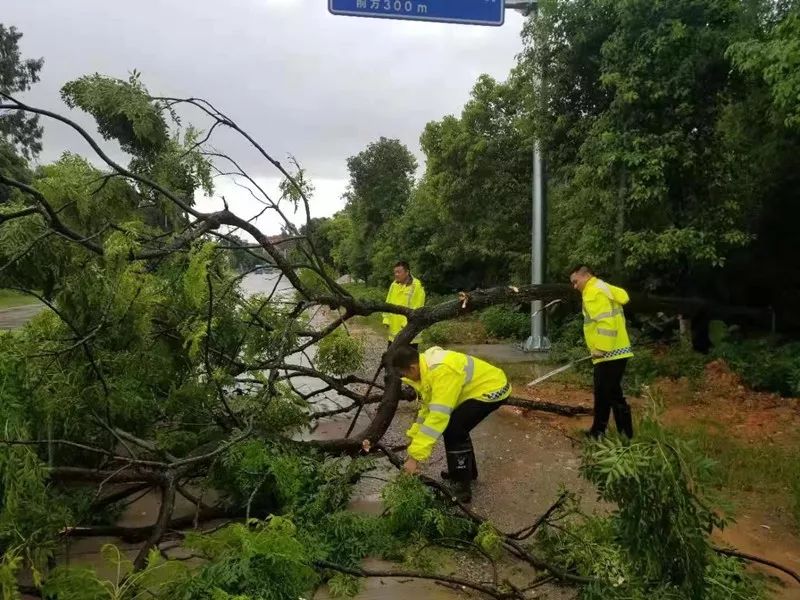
column 470, row 12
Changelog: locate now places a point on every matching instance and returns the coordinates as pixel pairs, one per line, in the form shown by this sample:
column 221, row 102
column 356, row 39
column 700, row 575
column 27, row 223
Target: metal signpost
column 469, row 12
column 474, row 12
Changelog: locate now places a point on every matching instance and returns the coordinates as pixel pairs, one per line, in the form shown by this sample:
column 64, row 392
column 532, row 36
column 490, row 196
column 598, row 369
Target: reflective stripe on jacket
column 604, row 320
column 411, row 296
column 448, row 379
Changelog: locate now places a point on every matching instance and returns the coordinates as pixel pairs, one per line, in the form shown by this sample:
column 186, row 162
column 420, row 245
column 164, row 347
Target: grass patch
column 466, row 330
column 373, row 322
column 11, row 299
column 767, row 470
column 366, row 292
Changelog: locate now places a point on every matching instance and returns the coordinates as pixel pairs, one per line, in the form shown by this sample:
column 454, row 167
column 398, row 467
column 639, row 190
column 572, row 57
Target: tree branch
column 492, row 591
column 757, row 559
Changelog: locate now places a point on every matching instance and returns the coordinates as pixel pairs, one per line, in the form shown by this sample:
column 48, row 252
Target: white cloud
column 326, row 200
column 300, row 80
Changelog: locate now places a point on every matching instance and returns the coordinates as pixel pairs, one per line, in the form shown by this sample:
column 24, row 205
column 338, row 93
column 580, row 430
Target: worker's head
column 402, row 271
column 579, row 276
column 406, row 363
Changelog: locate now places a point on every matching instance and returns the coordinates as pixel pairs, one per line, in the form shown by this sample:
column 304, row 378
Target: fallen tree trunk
column 142, row 533
column 566, row 410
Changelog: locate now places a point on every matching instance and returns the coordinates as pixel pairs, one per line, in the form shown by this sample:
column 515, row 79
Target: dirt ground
column 719, row 402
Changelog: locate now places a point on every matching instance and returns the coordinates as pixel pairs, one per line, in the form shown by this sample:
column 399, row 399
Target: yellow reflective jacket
column 411, row 296
column 448, row 379
column 604, row 320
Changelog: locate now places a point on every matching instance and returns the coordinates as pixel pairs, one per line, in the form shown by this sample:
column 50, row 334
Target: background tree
column 477, row 183
column 669, row 132
column 649, row 170
column 381, row 179
column 20, row 134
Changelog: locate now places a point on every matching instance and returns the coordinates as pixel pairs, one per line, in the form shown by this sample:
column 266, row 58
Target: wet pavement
column 500, row 353
column 13, row 318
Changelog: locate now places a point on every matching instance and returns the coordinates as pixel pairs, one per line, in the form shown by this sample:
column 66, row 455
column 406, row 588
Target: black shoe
column 624, row 421
column 445, row 474
column 592, row 434
column 462, row 491
column 461, row 470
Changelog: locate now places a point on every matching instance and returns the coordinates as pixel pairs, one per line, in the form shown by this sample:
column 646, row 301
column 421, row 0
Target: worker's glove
column 463, row 297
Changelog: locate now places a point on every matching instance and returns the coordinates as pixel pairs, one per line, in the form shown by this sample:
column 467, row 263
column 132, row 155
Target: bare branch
column 31, row 210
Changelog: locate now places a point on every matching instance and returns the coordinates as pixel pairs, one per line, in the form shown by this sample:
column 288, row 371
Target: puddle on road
column 395, row 588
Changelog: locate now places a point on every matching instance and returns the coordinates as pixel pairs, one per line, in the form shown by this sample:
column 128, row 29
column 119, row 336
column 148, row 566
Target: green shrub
column 439, row 333
column 340, row 353
column 466, row 330
column 671, row 361
column 506, row 322
column 655, row 544
column 366, row 292
column 566, row 339
column 763, row 364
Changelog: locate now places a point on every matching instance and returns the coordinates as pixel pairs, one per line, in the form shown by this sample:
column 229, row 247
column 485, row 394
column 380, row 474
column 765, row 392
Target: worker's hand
column 598, row 354
column 411, row 467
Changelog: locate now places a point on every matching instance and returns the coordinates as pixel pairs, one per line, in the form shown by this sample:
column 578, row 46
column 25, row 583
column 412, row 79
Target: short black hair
column 404, row 264
column 404, row 357
column 582, row 268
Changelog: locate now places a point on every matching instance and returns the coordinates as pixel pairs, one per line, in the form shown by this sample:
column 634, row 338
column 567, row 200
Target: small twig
column 111, row 455
column 361, row 403
column 210, row 373
column 527, row 532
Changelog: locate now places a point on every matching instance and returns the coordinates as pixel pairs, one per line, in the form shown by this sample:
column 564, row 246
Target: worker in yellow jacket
column 607, row 339
column 456, row 392
column 406, row 290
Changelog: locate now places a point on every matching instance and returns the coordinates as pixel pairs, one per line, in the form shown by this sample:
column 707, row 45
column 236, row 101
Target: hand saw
column 561, row 369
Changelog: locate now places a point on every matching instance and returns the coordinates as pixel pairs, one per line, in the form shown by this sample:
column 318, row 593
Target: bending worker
column 607, row 339
column 406, row 290
column 456, row 392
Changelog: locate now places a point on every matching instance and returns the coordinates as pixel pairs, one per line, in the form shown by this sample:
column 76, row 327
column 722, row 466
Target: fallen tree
column 153, row 371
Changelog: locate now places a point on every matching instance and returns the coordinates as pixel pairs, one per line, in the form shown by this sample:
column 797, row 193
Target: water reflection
column 268, row 283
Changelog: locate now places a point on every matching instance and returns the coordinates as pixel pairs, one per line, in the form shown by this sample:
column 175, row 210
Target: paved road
column 12, row 318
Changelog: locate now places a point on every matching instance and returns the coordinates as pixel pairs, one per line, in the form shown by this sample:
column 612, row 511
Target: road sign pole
column 537, row 342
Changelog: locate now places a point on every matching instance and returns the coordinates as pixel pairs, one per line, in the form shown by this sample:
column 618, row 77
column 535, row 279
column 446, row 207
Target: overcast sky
column 300, row 80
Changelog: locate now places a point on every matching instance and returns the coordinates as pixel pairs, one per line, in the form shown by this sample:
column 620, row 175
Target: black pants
column 464, row 419
column 608, row 396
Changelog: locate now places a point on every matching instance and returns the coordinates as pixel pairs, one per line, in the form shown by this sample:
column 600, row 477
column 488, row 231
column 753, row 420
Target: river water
column 284, row 292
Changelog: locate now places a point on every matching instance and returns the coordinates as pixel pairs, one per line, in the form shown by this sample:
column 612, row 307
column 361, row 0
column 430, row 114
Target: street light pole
column 537, row 342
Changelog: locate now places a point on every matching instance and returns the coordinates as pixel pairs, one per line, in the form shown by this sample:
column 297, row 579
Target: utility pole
column 537, row 342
